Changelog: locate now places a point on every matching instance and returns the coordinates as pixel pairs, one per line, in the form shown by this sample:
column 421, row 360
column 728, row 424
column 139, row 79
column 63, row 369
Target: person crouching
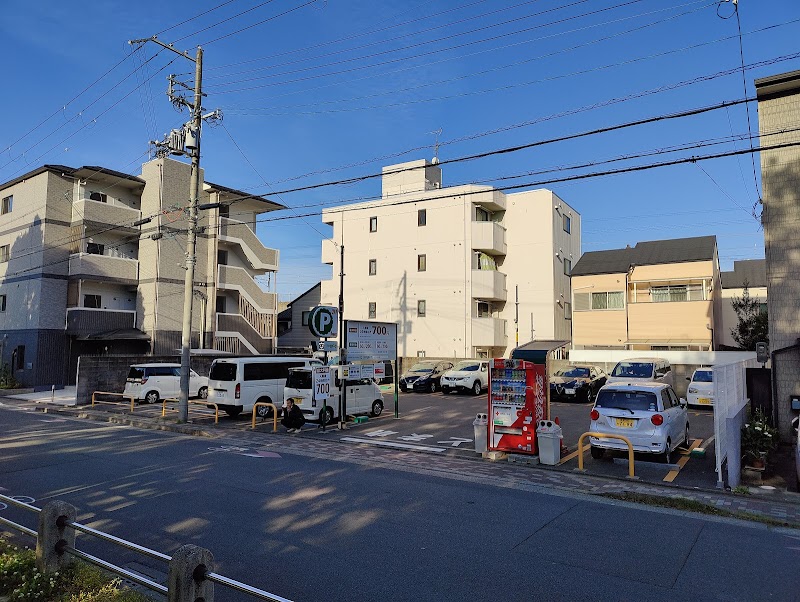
column 293, row 417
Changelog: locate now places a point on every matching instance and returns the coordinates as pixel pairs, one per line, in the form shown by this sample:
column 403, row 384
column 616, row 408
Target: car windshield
column 633, row 369
column 574, row 372
column 135, row 372
column 467, row 366
column 223, row 371
column 299, row 379
column 422, row 367
column 703, row 376
column 627, row 400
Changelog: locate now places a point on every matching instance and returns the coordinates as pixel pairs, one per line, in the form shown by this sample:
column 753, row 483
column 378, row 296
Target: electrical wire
column 272, row 18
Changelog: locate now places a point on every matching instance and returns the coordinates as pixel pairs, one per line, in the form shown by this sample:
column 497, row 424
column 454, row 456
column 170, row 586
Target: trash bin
column 480, row 425
column 548, row 438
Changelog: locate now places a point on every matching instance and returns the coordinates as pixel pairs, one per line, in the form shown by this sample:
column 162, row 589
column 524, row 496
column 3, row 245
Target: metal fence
column 190, row 576
column 730, row 410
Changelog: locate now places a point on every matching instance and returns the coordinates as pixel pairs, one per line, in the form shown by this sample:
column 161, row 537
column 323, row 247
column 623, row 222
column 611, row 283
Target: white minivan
column 235, row 384
column 641, row 370
column 363, row 396
column 151, row 383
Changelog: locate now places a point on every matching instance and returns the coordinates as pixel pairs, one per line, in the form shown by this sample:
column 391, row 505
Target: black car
column 424, row 377
column 576, row 383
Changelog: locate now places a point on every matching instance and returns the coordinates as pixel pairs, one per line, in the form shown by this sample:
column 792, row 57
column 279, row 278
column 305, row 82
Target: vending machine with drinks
column 517, row 401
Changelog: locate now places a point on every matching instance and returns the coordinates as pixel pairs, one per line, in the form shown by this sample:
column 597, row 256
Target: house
column 92, row 262
column 293, row 332
column 454, row 266
column 657, row 295
column 750, row 273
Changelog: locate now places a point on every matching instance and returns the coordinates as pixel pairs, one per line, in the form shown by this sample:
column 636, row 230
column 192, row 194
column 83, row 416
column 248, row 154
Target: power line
column 272, row 18
column 202, row 14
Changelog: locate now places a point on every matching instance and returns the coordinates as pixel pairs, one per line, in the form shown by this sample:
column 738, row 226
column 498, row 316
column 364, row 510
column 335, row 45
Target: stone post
column 54, row 536
column 187, row 571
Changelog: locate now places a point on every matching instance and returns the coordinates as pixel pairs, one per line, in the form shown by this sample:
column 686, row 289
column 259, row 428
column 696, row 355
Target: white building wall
column 729, row 318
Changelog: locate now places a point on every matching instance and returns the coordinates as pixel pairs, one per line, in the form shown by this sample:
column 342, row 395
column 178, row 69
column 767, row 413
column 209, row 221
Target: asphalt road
column 347, row 528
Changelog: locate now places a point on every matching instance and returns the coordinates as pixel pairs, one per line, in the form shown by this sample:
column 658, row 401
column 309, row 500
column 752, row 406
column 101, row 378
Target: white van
column 235, row 384
column 363, row 396
column 642, row 369
column 153, row 382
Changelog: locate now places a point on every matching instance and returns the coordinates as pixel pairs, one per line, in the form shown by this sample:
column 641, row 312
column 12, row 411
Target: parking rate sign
column 321, row 382
column 323, row 321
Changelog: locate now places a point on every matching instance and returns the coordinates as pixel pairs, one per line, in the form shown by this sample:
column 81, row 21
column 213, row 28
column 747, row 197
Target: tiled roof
column 676, row 250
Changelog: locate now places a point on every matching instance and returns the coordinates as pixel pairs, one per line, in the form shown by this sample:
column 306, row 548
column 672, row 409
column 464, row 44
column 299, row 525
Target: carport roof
column 654, row 252
column 668, row 342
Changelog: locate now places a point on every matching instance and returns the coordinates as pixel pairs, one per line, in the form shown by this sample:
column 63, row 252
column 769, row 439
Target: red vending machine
column 517, row 401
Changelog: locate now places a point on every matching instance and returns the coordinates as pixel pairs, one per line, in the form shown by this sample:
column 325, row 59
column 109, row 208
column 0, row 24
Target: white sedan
column 701, row 388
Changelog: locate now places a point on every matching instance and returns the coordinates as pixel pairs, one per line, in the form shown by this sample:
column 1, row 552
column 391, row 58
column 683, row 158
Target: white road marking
column 455, row 441
column 393, row 444
column 380, row 433
column 415, row 437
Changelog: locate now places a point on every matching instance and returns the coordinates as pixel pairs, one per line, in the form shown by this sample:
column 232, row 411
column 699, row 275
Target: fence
column 190, row 577
column 730, row 408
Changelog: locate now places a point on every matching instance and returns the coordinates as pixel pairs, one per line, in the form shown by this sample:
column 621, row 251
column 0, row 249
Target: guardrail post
column 55, row 536
column 187, row 570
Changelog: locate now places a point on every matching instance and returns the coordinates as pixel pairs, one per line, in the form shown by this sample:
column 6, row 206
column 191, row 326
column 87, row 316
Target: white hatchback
column 649, row 415
column 701, row 388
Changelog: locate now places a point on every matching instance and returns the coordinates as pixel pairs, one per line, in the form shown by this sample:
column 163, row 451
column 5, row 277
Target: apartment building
column 750, row 273
column 778, row 111
column 92, row 262
column 454, row 266
column 658, row 295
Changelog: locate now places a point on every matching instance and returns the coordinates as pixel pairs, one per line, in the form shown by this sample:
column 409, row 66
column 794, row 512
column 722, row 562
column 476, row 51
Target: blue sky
column 309, row 88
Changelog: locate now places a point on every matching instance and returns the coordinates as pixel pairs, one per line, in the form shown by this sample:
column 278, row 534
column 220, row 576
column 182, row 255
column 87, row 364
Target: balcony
column 489, row 285
column 330, row 251
column 239, row 233
column 90, row 266
column 489, row 237
column 489, row 332
column 84, row 321
column 111, row 212
column 237, row 279
column 236, row 326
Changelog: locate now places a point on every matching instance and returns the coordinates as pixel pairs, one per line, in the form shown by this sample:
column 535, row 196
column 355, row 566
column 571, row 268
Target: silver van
column 235, row 384
column 642, row 369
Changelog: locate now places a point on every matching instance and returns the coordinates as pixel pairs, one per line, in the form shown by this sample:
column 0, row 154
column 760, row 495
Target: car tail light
column 594, row 415
column 657, row 419
column 238, row 391
column 144, row 380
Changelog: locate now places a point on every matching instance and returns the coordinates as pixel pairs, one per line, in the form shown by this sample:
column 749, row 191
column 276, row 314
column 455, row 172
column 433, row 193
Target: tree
column 753, row 325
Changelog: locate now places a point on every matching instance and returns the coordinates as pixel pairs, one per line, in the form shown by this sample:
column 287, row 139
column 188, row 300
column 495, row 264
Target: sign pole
column 324, row 401
column 396, row 379
column 342, row 339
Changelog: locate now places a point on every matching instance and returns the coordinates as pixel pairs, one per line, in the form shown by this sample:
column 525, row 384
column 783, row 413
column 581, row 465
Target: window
column 676, row 292
column 567, row 223
column 567, row 310
column 481, row 215
column 270, row 370
column 762, row 308
column 8, row 203
column 373, row 267
column 20, row 357
column 612, row 300
column 373, row 310
column 95, row 248
column 4, row 253
column 2, row 302
column 484, row 311
column 304, row 317
column 422, row 263
column 224, row 210
column 222, row 257
column 223, row 371
column 420, row 354
column 567, row 267
column 93, row 301
column 373, row 224
column 421, row 308
column 98, row 196
column 422, row 217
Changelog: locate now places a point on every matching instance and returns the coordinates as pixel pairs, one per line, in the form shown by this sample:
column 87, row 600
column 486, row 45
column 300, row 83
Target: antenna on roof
column 436, row 146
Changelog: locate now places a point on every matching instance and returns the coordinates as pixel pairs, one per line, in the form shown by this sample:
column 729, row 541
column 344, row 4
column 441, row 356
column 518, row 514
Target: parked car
column 469, row 375
column 649, row 414
column 701, row 388
column 363, row 396
column 424, row 376
column 577, row 383
column 152, row 382
column 642, row 369
column 796, row 431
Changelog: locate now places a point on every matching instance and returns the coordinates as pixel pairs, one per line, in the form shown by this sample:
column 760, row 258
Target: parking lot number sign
column 323, row 321
column 371, row 340
column 321, row 381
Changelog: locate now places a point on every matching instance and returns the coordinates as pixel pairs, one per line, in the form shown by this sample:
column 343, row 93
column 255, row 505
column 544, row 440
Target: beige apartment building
column 92, row 262
column 453, row 266
column 658, row 295
column 751, row 273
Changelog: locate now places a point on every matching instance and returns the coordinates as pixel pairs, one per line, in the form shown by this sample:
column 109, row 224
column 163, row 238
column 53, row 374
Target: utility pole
column 516, row 312
column 342, row 349
column 192, row 145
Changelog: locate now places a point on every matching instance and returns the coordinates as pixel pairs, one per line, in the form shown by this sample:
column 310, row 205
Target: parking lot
column 442, row 424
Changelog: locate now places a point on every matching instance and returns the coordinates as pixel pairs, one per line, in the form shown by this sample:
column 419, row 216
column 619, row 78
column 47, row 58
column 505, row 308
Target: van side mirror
column 689, row 378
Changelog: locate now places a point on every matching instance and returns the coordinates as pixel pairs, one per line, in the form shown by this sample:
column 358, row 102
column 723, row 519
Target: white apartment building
column 447, row 264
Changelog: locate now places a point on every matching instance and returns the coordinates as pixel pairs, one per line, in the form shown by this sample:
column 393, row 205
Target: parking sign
column 323, row 321
column 321, row 381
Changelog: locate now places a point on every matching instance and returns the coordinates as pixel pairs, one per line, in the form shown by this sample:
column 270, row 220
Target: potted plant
column 758, row 440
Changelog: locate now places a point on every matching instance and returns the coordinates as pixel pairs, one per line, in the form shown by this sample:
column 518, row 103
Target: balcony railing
column 92, row 266
column 488, row 332
column 229, row 323
column 239, row 233
column 236, row 278
column 489, row 237
column 85, row 321
column 489, row 285
column 111, row 212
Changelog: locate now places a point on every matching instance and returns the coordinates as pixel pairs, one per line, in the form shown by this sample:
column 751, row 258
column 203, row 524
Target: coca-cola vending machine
column 517, row 401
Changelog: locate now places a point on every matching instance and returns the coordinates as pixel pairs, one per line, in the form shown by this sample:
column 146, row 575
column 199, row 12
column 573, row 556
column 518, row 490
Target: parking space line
column 392, row 444
column 685, row 455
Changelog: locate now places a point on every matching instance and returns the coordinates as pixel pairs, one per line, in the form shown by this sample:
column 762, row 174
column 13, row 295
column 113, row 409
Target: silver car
column 649, row 415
